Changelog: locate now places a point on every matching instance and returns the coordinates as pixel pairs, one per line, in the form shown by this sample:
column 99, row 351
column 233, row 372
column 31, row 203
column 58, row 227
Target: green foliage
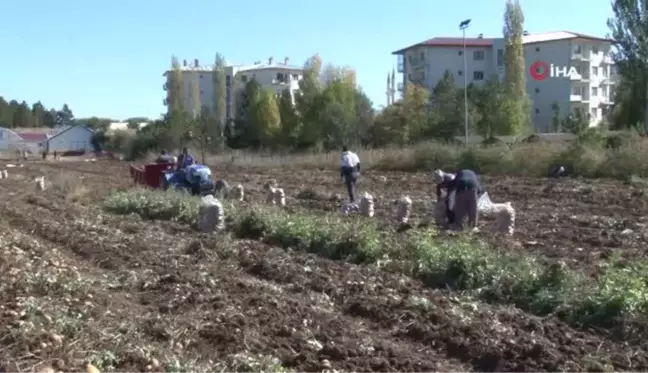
column 462, row 264
column 20, row 115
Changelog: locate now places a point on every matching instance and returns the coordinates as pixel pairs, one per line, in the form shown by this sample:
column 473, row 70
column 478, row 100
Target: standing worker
column 350, row 170
column 463, row 191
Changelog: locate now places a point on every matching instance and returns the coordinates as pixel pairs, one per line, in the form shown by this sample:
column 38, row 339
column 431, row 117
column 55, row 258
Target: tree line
column 330, row 109
column 14, row 114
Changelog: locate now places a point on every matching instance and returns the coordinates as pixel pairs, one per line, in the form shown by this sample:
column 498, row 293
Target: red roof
column 32, row 136
column 450, row 42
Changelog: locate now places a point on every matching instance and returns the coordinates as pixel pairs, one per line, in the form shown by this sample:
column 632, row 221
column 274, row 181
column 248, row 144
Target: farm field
column 78, row 284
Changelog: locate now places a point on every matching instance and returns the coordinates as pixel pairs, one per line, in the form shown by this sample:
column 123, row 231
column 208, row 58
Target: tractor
column 195, row 179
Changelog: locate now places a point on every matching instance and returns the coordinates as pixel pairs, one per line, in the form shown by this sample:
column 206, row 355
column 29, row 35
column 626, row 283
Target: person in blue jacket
column 463, row 191
column 185, row 159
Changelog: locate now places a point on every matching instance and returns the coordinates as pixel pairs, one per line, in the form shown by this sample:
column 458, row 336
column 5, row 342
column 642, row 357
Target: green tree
column 265, row 119
column 519, row 107
column 446, row 109
column 289, row 119
column 629, row 27
column 220, row 91
column 175, row 87
column 489, row 100
column 416, row 108
column 364, row 117
column 21, row 116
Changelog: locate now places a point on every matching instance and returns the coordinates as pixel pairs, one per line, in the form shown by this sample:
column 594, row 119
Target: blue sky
column 106, row 58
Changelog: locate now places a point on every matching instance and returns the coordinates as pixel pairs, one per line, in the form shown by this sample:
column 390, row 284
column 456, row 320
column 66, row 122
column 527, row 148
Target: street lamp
column 463, row 26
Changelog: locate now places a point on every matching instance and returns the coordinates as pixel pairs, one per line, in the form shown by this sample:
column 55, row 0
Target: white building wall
column 590, row 92
column 76, row 138
column 267, row 75
column 10, row 140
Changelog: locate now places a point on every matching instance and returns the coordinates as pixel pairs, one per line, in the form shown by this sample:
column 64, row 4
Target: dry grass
column 587, row 159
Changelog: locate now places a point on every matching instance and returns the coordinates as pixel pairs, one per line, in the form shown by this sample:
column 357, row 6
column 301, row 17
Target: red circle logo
column 539, row 70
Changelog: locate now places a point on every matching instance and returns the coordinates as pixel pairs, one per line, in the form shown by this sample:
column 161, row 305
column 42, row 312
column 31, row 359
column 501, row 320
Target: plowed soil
column 144, row 293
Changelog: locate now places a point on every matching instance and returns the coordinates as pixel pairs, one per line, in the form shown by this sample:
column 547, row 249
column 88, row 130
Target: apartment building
column 274, row 75
column 573, row 70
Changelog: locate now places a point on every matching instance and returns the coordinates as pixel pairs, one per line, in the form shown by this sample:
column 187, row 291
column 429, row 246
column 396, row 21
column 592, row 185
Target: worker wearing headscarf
column 463, row 191
column 350, row 170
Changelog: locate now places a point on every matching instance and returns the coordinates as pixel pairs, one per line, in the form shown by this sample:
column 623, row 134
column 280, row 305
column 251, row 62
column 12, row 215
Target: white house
column 573, row 70
column 274, row 75
column 76, row 138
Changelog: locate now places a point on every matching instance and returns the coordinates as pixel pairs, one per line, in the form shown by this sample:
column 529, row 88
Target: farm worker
column 463, row 191
column 350, row 170
column 185, row 159
column 164, row 157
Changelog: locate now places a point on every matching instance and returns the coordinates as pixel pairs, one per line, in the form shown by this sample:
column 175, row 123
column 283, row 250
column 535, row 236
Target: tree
column 175, row 87
column 489, row 101
column 446, row 108
column 364, row 117
column 629, row 27
column 289, row 119
column 220, row 89
column 64, row 117
column 519, row 106
column 205, row 132
column 416, row 106
column 265, row 119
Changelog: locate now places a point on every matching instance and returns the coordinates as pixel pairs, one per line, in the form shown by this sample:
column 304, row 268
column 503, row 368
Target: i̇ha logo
column 540, row 70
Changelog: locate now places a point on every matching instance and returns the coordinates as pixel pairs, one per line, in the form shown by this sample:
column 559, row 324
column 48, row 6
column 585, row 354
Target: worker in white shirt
column 350, row 170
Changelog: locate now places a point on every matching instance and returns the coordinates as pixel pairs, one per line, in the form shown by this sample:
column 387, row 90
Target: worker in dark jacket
column 349, row 171
column 463, row 191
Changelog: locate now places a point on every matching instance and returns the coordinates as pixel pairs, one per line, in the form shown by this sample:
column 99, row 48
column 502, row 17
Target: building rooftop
column 256, row 66
column 487, row 42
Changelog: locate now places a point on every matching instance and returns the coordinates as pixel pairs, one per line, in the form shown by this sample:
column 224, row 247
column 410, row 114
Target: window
column 409, row 77
column 243, row 78
column 281, row 77
column 500, row 57
column 537, row 49
column 604, row 71
column 595, row 71
column 201, row 76
column 202, row 92
column 460, row 53
column 537, row 111
column 594, row 91
column 478, row 55
column 577, row 49
column 537, row 90
column 604, row 92
column 460, row 72
column 478, row 75
column 422, row 56
column 576, row 91
column 595, row 50
column 594, row 112
column 295, row 76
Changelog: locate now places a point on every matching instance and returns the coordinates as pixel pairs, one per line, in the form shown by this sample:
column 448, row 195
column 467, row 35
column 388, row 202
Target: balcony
column 575, row 98
column 400, row 87
column 580, row 56
column 607, row 59
column 401, row 63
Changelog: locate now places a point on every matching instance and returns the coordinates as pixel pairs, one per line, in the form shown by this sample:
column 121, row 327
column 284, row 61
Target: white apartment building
column 277, row 76
column 573, row 70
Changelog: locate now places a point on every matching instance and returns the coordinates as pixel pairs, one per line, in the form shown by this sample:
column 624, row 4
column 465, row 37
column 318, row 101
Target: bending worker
column 350, row 170
column 462, row 193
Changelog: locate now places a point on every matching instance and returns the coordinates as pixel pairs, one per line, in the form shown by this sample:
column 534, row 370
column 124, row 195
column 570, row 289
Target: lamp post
column 463, row 26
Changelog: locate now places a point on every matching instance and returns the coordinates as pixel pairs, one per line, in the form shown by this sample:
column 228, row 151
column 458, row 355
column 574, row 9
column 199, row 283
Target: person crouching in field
column 350, row 170
column 462, row 193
